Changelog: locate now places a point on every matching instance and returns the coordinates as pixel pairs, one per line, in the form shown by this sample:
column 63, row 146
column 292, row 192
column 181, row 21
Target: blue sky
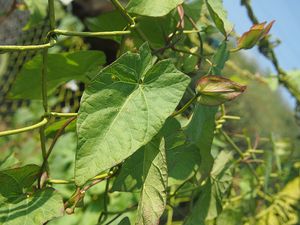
column 286, row 28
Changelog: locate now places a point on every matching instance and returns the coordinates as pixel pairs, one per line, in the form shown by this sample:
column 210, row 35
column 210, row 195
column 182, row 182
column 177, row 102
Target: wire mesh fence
column 20, row 46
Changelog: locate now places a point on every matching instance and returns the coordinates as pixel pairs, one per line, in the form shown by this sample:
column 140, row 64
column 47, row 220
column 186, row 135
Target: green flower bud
column 215, row 90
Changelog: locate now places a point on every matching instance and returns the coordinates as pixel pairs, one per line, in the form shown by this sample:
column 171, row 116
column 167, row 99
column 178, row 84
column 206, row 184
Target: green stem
column 231, row 117
column 191, row 101
column 24, row 129
column 185, row 52
column 58, row 181
column 170, row 215
column 199, row 37
column 124, row 13
column 27, row 47
column 57, row 135
column 131, row 21
column 44, row 80
column 170, row 208
column 91, row 34
column 46, row 154
column 241, row 154
column 44, row 167
column 231, row 142
column 189, row 31
column 98, row 177
column 56, row 114
column 51, row 14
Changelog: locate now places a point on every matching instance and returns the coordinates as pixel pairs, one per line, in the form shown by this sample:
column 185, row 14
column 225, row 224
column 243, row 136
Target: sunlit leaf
column 153, row 8
column 31, row 208
column 121, row 110
column 8, row 160
column 154, row 189
column 219, row 16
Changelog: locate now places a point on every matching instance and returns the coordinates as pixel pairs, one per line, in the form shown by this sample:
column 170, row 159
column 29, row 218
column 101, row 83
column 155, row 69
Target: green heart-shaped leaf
column 123, row 108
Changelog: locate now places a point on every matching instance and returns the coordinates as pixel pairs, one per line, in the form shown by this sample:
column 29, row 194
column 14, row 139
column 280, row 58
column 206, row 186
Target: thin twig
column 58, row 134
column 187, row 105
column 238, row 150
column 199, row 37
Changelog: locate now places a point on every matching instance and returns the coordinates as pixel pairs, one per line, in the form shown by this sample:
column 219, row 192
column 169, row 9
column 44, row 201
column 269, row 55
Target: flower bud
column 255, row 34
column 215, row 90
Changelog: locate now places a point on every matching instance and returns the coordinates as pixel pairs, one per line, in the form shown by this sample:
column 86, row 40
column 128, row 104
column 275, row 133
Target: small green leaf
column 123, row 108
column 219, row 16
column 153, row 194
column 182, row 161
column 8, row 160
column 35, row 209
column 104, row 22
column 109, row 21
column 215, row 90
column 220, row 58
column 209, row 202
column 207, row 206
column 13, row 181
column 51, row 130
column 153, row 8
column 200, row 132
column 193, row 9
column 255, row 34
column 62, row 67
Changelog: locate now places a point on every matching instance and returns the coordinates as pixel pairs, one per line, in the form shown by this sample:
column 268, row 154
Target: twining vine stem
column 91, row 34
column 27, row 47
column 24, row 129
column 44, row 167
